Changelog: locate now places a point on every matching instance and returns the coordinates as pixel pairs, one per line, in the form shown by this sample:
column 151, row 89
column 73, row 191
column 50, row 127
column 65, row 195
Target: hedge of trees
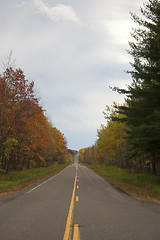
column 27, row 138
column 131, row 137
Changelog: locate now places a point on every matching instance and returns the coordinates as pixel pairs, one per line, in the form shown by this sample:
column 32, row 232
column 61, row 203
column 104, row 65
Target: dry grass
column 17, row 180
column 140, row 186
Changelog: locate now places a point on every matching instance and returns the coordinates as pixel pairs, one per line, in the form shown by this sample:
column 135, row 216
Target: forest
column 27, row 138
column 131, row 137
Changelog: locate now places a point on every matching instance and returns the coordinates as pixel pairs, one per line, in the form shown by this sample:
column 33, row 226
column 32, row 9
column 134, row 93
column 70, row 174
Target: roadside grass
column 72, row 161
column 139, row 185
column 16, row 180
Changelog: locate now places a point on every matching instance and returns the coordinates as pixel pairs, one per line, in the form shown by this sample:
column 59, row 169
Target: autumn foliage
column 27, row 139
column 110, row 147
column 131, row 137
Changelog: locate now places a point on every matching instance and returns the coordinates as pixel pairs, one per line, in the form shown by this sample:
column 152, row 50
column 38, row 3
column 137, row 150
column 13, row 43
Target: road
column 76, row 204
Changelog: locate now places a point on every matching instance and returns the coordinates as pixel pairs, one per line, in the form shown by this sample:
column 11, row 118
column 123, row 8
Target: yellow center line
column 77, row 187
column 68, row 229
column 76, row 233
column 77, row 198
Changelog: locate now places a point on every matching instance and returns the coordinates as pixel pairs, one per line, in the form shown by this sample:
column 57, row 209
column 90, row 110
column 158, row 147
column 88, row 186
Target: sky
column 73, row 50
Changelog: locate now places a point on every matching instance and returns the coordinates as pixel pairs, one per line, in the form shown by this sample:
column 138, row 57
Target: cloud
column 57, row 13
column 21, row 4
column 72, row 63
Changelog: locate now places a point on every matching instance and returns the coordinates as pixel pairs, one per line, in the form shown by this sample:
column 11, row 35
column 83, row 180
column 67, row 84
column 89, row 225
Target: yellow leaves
column 60, row 144
column 110, row 140
column 9, row 145
column 10, row 142
column 82, row 154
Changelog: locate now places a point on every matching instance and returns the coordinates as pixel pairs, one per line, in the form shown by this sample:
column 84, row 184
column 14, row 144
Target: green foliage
column 17, row 179
column 142, row 109
column 131, row 137
column 140, row 185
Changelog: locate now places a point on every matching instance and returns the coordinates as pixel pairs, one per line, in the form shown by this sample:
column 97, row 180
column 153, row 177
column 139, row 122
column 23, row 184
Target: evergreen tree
column 142, row 108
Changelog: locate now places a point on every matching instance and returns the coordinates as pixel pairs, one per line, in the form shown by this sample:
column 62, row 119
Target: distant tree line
column 27, row 138
column 131, row 137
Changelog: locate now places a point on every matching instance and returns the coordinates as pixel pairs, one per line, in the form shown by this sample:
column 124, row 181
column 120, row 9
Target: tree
column 88, row 155
column 111, row 142
column 27, row 139
column 61, row 146
column 20, row 116
column 8, row 61
column 142, row 109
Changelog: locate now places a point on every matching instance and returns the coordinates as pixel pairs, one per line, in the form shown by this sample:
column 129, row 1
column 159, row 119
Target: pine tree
column 142, row 108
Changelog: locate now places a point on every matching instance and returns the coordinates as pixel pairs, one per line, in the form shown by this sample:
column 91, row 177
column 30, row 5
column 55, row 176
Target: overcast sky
column 73, row 50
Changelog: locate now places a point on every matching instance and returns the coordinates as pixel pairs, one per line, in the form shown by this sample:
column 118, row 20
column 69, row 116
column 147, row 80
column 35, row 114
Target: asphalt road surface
column 76, row 204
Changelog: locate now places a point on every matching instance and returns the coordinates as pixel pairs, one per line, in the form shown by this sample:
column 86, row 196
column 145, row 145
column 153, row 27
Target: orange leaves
column 22, row 119
column 61, row 149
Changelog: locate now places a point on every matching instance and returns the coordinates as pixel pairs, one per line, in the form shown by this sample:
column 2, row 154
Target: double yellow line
column 68, row 229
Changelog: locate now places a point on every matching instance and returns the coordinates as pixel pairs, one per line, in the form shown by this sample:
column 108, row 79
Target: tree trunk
column 154, row 170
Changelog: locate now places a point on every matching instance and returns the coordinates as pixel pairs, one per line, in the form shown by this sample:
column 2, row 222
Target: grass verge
column 17, row 180
column 140, row 186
